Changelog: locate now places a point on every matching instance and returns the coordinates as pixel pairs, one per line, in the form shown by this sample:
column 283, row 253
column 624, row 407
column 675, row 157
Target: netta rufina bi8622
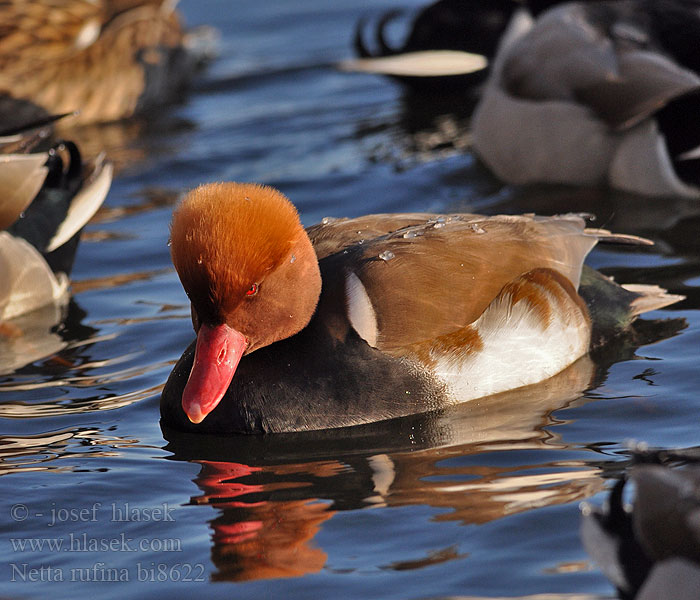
column 357, row 320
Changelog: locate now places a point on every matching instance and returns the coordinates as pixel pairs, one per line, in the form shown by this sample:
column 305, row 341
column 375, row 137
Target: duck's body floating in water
column 451, row 44
column 47, row 196
column 650, row 550
column 580, row 93
column 595, row 93
column 358, row 320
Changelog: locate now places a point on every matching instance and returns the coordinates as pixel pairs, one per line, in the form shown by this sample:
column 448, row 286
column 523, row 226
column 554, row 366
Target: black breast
column 309, row 381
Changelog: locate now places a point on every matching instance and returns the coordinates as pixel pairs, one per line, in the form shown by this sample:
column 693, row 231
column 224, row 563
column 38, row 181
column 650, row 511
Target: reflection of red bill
column 235, row 533
column 217, row 479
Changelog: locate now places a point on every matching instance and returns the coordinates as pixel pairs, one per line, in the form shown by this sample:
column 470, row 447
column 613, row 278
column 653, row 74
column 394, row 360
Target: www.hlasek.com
column 81, row 542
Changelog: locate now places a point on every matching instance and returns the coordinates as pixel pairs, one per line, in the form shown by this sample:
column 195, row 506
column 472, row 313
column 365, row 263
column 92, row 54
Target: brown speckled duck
column 108, row 59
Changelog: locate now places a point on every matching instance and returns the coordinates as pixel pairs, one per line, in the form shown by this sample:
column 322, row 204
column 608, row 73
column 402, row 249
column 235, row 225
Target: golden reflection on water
column 30, row 337
column 431, row 558
column 274, row 541
column 255, row 537
column 48, row 451
column 36, row 335
column 57, row 406
column 262, row 540
column 113, row 281
column 65, row 364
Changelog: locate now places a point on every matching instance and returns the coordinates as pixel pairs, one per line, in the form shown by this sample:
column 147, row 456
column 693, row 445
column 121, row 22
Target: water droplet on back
column 293, row 259
column 327, row 220
column 386, row 255
column 414, row 231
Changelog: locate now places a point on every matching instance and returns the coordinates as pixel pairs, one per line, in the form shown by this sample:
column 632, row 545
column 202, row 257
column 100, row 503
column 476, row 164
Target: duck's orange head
column 251, row 274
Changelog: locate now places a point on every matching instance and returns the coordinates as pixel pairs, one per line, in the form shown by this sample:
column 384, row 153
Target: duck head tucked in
column 251, row 274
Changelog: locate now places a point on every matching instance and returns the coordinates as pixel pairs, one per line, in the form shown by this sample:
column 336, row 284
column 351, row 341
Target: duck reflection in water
column 273, row 493
column 262, row 538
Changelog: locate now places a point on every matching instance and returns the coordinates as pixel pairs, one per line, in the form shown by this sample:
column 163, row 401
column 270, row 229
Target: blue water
column 480, row 502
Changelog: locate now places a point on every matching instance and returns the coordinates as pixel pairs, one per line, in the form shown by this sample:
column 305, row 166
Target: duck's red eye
column 253, row 290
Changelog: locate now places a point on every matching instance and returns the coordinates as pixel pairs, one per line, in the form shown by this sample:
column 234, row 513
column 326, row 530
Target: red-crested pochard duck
column 357, row 320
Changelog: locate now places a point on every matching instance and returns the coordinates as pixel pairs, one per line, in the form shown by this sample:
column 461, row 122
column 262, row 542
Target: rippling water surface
column 480, row 501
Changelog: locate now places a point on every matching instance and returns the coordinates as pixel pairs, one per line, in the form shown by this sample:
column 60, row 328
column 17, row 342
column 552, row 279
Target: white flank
column 360, row 310
column 518, row 348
